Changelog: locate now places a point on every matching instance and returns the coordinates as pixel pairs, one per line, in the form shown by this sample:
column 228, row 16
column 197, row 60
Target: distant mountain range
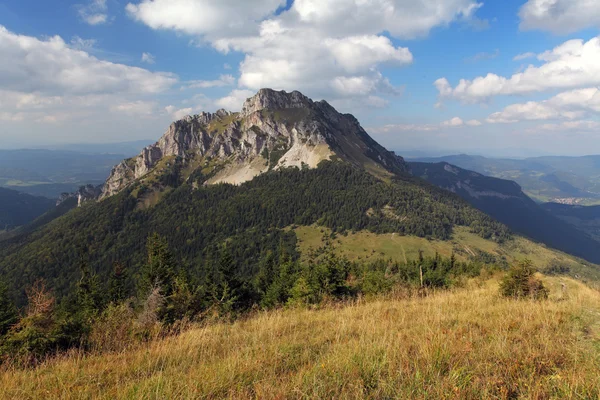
column 247, row 182
column 20, row 208
column 49, row 173
column 569, row 180
column 505, row 201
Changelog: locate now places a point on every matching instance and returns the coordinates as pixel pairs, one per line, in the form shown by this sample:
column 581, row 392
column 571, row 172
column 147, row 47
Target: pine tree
column 117, row 284
column 89, row 295
column 159, row 270
column 8, row 310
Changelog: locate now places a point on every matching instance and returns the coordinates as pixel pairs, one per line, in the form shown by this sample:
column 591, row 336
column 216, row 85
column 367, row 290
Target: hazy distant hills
column 504, row 200
column 19, row 208
column 572, row 180
column 51, row 172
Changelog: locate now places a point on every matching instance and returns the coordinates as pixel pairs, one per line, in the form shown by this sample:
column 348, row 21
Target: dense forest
column 112, row 315
column 251, row 219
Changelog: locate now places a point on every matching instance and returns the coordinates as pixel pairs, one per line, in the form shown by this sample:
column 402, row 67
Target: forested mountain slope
column 249, row 218
column 504, row 200
column 311, row 165
column 20, row 208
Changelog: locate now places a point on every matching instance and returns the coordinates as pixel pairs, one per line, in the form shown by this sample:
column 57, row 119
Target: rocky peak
column 275, row 100
column 275, row 130
column 83, row 194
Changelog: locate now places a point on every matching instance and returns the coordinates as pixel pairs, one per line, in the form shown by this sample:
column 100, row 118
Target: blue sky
column 109, row 70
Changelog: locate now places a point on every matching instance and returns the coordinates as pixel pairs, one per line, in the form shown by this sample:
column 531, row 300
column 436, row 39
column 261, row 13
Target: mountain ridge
column 275, row 129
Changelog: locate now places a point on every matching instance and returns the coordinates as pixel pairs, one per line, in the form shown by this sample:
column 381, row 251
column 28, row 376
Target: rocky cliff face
column 273, row 130
column 83, row 194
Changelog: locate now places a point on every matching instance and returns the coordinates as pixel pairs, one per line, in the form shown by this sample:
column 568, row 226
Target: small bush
column 520, row 282
column 114, row 330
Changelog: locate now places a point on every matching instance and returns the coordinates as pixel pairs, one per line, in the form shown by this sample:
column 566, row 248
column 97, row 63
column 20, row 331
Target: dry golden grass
column 465, row 344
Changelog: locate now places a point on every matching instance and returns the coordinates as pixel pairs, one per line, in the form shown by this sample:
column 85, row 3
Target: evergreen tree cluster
column 109, row 316
column 252, row 219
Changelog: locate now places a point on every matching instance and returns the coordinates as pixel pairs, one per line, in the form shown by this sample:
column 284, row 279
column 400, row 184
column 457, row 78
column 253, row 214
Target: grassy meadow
column 368, row 246
column 467, row 343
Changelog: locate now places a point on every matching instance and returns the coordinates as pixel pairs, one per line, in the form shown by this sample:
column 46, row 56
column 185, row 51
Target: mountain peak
column 275, row 129
column 275, row 100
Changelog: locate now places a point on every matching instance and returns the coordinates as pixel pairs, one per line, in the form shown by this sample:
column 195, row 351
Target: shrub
column 520, row 282
column 114, row 330
column 34, row 336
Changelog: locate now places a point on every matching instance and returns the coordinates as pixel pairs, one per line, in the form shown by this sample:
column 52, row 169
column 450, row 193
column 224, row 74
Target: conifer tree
column 117, row 284
column 8, row 310
column 159, row 270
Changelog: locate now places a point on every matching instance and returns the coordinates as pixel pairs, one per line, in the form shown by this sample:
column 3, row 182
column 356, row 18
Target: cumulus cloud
column 50, row 81
column 176, row 113
column 52, row 66
column 325, row 48
column 148, row 58
column 573, row 64
column 473, row 122
column 224, row 80
column 235, row 100
column 94, row 12
column 572, row 105
column 204, row 17
column 456, row 121
column 559, row 16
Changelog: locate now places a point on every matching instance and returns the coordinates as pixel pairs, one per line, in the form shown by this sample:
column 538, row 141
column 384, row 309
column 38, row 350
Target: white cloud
column 324, row 48
column 135, row 108
column 204, row 17
column 392, row 128
column 406, row 19
column 560, row 16
column 524, row 56
column 50, row 81
column 178, row 114
column 581, row 126
column 573, row 64
column 224, row 80
column 94, row 12
column 226, row 66
column 78, row 43
column 52, row 66
column 148, row 58
column 451, row 123
column 235, row 100
column 454, row 122
column 567, row 105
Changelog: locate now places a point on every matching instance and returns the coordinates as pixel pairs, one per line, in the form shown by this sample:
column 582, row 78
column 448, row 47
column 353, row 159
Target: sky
column 489, row 77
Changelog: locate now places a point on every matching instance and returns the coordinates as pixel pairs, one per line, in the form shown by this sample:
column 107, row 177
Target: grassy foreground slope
column 466, row 246
column 467, row 343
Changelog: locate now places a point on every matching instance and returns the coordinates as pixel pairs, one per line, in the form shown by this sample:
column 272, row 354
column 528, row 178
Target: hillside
column 20, row 208
column 251, row 218
column 504, row 200
column 466, row 343
column 572, row 180
column 586, row 218
column 179, row 188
